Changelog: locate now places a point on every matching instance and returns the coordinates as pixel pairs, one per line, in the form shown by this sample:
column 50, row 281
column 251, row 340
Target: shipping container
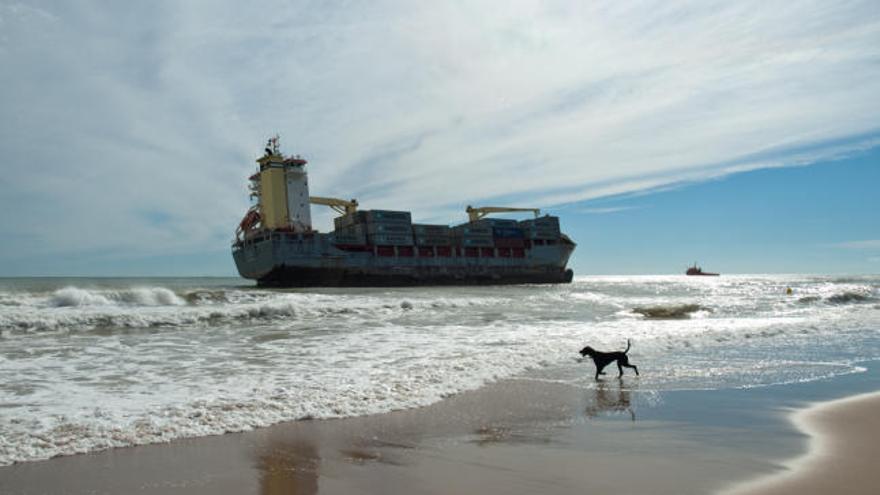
column 542, row 234
column 495, row 222
column 388, row 216
column 350, row 219
column 351, row 235
column 349, row 240
column 389, row 228
column 545, row 221
column 422, row 229
column 384, row 250
column 545, row 227
column 476, row 242
column 548, row 220
column 471, row 229
column 352, row 229
column 508, row 233
column 433, row 241
column 390, row 240
column 509, row 243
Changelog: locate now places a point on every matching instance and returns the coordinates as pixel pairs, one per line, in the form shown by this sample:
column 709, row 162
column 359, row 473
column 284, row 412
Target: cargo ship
column 276, row 245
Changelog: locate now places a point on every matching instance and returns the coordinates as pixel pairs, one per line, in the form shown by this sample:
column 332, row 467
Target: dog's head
column 587, row 351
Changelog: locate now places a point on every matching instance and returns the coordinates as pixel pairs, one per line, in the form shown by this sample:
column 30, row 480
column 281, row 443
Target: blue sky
column 743, row 135
column 783, row 220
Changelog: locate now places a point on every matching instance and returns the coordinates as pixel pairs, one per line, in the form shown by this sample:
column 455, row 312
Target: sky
column 742, row 135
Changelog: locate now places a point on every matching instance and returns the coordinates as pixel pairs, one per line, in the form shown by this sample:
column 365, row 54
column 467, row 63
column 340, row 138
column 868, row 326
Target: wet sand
column 843, row 455
column 516, row 436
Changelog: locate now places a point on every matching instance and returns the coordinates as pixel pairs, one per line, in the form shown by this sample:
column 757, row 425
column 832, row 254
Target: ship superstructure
column 276, row 245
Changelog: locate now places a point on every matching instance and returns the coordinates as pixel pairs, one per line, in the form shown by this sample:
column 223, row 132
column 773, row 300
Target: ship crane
column 478, row 213
column 339, row 205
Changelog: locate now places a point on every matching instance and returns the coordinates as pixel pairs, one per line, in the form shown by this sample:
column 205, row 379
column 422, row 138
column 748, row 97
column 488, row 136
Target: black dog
column 603, row 359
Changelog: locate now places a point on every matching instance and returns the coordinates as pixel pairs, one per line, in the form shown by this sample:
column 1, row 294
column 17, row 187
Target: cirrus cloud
column 131, row 127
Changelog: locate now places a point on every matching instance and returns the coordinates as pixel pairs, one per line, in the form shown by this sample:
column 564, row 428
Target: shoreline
column 513, row 436
column 840, row 455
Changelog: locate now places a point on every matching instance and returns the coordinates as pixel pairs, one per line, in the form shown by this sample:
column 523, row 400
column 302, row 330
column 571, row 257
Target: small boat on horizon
column 696, row 270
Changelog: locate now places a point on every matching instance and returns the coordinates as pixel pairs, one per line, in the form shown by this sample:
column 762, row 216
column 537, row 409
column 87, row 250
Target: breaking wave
column 673, row 312
column 855, row 296
column 148, row 296
column 850, row 297
column 74, row 309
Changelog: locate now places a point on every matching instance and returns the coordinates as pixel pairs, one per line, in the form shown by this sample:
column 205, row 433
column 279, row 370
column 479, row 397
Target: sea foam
column 92, row 368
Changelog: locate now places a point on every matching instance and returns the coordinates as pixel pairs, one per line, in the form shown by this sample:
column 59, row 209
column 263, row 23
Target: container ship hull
column 297, row 260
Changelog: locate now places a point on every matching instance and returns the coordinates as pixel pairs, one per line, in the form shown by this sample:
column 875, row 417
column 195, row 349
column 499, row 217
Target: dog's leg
column 628, row 366
column 625, row 362
column 599, row 368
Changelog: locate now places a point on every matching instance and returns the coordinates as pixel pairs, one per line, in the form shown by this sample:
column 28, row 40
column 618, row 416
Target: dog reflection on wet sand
column 606, row 401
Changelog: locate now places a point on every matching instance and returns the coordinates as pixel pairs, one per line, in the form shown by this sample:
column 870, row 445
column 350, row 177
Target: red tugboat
column 696, row 270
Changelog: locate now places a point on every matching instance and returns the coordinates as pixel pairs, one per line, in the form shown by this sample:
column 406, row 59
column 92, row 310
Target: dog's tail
column 628, row 345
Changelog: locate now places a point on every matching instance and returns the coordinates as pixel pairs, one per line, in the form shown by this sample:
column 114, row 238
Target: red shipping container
column 509, row 242
column 385, row 250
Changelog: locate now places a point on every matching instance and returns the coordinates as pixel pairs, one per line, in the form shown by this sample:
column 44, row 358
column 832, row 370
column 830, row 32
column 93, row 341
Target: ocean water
column 89, row 364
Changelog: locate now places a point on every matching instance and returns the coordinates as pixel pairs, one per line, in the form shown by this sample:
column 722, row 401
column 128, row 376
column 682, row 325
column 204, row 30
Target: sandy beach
column 842, row 455
column 515, row 436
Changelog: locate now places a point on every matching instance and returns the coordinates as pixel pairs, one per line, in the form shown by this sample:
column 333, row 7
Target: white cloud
column 606, row 209
column 133, row 126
